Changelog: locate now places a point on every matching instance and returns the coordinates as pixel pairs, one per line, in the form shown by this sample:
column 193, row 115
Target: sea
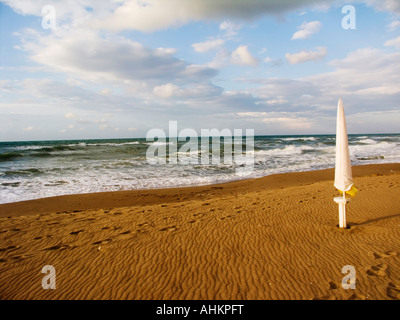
column 39, row 169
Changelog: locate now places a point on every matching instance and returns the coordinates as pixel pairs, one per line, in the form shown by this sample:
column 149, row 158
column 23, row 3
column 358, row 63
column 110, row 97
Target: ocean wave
column 9, row 156
column 158, row 143
column 22, row 172
column 110, row 144
column 367, row 141
column 58, row 148
column 299, row 139
column 371, row 158
column 23, row 148
column 11, row 184
column 285, row 151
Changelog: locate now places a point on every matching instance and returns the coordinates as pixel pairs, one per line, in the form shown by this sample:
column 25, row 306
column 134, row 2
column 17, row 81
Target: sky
column 116, row 69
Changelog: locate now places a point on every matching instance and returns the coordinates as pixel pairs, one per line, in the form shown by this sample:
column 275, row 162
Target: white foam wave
column 299, row 138
column 367, row 141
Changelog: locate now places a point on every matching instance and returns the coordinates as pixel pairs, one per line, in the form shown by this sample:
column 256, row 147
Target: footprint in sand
column 393, row 290
column 60, row 247
column 227, row 217
column 378, row 270
column 385, row 254
column 125, row 235
column 9, row 248
column 333, row 286
column 76, row 232
column 169, row 228
column 143, row 224
column 357, row 296
column 327, row 297
column 199, row 215
column 105, row 241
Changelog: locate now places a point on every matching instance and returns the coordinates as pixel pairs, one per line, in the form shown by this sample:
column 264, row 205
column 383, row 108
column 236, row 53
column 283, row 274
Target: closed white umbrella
column 343, row 173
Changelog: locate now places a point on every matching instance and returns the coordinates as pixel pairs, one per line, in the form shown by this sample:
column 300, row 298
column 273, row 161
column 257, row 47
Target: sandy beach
column 269, row 238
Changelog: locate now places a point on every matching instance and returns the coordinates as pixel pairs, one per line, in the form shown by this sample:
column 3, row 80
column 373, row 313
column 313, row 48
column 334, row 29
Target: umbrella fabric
column 343, row 173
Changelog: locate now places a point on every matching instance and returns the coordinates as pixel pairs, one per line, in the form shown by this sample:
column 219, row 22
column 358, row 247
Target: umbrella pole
column 344, row 210
column 341, row 201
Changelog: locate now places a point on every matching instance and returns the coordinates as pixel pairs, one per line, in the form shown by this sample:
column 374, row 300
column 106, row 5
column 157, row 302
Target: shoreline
column 113, row 199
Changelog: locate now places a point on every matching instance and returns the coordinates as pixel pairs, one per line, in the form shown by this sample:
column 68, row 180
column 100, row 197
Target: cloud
column 242, row 56
column 86, row 54
column 379, row 79
column 385, row 5
column 30, row 128
column 393, row 43
column 276, row 101
column 305, row 56
column 208, row 45
column 394, row 24
column 151, row 15
column 70, row 115
column 363, row 89
column 231, row 29
column 278, row 121
column 307, row 29
column 290, row 123
column 165, row 90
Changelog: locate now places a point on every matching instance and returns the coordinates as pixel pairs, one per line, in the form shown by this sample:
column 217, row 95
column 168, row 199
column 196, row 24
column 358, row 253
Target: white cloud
column 305, row 56
column 276, row 101
column 290, row 123
column 208, row 45
column 307, row 29
column 86, row 54
column 251, row 114
column 364, row 89
column 30, row 128
column 231, row 29
column 165, row 90
column 393, row 43
column 279, row 120
column 150, row 15
column 394, row 24
column 106, row 91
column 167, row 50
column 242, row 56
column 385, row 5
column 70, row 115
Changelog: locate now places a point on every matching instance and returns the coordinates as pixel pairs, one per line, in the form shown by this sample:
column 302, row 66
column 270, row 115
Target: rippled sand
column 269, row 238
